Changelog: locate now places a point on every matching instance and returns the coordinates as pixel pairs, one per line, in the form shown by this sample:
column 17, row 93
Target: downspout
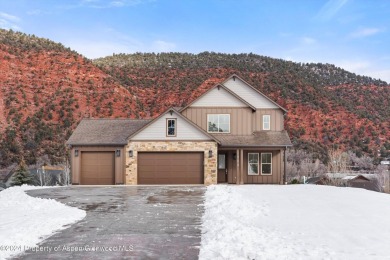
column 285, row 167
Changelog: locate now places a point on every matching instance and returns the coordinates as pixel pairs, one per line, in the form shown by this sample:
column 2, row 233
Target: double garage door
column 98, row 168
column 170, row 168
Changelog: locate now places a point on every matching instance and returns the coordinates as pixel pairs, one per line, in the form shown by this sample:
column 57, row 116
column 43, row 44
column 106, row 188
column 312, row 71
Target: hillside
column 328, row 106
column 45, row 89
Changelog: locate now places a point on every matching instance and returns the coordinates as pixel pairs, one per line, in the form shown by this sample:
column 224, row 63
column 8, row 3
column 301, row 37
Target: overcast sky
column 352, row 34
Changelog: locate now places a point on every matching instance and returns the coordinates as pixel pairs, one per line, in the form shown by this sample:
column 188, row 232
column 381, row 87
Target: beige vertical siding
column 240, row 118
column 275, row 178
column 119, row 162
column 277, row 119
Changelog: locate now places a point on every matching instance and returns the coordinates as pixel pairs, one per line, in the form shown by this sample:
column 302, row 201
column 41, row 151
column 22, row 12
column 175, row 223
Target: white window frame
column 268, row 122
column 208, row 116
column 261, row 162
column 175, row 128
column 258, row 164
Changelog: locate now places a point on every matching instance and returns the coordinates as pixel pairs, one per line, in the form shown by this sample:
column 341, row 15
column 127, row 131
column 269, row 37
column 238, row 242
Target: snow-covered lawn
column 25, row 221
column 295, row 222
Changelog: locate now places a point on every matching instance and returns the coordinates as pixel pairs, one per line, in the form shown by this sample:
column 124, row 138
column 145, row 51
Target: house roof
column 105, row 131
column 235, row 76
column 227, row 90
column 173, row 110
column 257, row 139
column 353, row 177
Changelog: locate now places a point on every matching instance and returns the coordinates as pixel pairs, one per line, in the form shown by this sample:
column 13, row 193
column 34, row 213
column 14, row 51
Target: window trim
column 258, row 164
column 207, row 124
column 261, row 163
column 269, row 122
column 166, row 131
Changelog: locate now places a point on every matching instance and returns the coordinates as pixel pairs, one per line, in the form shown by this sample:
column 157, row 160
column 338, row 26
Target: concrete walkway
column 127, row 222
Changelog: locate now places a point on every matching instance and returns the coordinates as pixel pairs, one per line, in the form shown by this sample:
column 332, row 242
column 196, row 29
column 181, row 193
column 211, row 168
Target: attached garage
column 97, row 168
column 170, row 168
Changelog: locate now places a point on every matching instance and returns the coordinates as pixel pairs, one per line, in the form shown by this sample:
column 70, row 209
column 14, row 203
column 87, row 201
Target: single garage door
column 170, row 168
column 97, row 168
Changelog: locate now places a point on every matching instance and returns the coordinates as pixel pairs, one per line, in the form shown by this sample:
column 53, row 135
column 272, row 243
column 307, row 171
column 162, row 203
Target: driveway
column 130, row 222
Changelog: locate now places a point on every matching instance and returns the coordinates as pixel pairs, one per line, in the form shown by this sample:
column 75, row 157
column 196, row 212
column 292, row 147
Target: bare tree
column 361, row 163
column 65, row 175
column 300, row 163
column 338, row 161
column 383, row 178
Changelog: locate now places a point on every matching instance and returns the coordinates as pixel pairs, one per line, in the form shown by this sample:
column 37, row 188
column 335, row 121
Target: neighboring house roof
column 105, row 131
column 263, row 138
column 177, row 113
column 320, row 180
column 225, row 88
column 235, row 76
column 353, row 177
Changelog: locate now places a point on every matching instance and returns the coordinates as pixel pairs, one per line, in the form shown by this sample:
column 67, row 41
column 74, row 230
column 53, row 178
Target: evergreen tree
column 22, row 175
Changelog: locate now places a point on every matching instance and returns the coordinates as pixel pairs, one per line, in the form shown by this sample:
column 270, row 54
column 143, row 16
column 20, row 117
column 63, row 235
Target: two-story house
column 231, row 134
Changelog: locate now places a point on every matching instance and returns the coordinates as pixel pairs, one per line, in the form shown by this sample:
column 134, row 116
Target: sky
column 352, row 34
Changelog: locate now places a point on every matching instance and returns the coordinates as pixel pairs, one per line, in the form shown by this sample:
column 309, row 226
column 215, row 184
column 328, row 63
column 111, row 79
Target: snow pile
column 294, row 222
column 25, row 221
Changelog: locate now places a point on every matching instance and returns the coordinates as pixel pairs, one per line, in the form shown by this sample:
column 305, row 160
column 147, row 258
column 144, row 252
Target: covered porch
column 256, row 159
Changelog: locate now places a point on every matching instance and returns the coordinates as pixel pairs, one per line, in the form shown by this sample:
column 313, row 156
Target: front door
column 222, row 168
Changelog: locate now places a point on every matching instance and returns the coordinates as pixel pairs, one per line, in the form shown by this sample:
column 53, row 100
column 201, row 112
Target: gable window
column 266, row 163
column 253, row 164
column 218, row 123
column 266, row 122
column 171, row 127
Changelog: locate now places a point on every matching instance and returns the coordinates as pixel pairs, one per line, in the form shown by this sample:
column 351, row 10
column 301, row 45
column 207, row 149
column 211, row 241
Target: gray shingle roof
column 257, row 139
column 105, row 131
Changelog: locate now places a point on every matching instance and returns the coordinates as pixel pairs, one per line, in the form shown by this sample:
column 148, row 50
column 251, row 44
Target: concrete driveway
column 130, row 222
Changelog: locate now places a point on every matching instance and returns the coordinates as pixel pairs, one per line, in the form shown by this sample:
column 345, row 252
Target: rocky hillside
column 45, row 89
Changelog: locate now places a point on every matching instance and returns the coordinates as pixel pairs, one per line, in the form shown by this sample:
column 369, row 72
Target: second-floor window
column 266, row 122
column 171, row 127
column 218, row 123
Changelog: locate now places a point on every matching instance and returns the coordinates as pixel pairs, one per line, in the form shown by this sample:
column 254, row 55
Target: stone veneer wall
column 210, row 164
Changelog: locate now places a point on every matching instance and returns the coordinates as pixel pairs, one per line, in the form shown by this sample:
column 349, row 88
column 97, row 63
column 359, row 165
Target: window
column 221, row 161
column 171, row 127
column 266, row 122
column 253, row 164
column 266, row 163
column 218, row 123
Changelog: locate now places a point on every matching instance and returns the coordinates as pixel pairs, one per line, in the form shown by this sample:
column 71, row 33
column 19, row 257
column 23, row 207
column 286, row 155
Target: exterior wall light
column 118, row 153
column 234, row 156
column 210, row 153
column 130, row 153
column 76, row 153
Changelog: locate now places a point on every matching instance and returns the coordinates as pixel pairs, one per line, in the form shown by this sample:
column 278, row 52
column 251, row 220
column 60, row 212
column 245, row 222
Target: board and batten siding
column 276, row 116
column 248, row 94
column 243, row 121
column 276, row 176
column 240, row 118
column 218, row 98
column 157, row 130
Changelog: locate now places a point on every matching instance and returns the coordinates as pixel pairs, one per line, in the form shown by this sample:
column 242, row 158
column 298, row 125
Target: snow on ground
column 25, row 221
column 295, row 222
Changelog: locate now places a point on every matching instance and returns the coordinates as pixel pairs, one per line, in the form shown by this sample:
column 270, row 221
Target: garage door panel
column 170, row 168
column 97, row 168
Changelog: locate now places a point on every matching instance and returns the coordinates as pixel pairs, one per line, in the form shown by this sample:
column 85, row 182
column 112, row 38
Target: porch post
column 285, row 167
column 238, row 166
column 241, row 166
